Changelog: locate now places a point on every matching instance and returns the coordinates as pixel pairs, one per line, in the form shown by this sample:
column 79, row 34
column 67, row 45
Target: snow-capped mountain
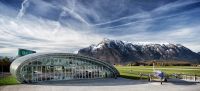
column 120, row 52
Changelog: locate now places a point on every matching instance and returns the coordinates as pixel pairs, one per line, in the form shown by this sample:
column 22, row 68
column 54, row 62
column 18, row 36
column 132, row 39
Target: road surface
column 110, row 84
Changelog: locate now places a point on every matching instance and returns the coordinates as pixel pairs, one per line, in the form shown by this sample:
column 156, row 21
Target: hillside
column 120, row 52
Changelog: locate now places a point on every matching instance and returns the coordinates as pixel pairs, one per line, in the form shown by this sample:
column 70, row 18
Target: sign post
column 23, row 52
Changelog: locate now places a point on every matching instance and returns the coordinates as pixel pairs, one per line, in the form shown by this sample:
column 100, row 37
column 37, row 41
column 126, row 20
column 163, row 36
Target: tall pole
column 153, row 67
column 2, row 70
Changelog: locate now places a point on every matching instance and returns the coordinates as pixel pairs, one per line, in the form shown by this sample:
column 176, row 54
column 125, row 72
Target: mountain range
column 121, row 52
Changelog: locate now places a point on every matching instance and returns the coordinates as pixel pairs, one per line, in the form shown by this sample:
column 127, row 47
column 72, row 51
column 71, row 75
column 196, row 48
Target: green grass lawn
column 8, row 80
column 134, row 71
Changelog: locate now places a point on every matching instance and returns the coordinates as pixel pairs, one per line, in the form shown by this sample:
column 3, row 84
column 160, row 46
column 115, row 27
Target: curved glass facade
column 60, row 66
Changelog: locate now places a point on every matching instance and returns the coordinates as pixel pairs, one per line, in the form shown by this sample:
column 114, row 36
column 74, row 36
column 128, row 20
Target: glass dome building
column 59, row 66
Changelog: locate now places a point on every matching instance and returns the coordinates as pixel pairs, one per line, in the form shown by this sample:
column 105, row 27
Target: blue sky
column 68, row 25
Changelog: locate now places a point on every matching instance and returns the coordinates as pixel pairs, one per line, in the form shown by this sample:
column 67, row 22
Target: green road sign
column 22, row 52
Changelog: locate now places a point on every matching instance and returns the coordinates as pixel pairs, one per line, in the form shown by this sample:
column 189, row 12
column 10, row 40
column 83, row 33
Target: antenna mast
column 154, row 66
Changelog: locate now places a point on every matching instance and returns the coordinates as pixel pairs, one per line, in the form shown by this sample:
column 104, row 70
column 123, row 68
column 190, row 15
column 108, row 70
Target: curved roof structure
column 17, row 65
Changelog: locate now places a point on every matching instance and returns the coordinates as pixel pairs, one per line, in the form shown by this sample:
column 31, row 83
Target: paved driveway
column 119, row 84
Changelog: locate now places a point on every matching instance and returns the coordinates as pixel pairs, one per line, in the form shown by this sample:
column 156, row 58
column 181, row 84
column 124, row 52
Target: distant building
column 39, row 67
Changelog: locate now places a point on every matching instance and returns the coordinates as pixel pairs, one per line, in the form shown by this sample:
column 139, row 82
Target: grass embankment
column 8, row 80
column 132, row 72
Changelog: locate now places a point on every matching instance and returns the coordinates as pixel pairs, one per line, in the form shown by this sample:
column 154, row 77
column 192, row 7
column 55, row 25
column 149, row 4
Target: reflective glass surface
column 59, row 68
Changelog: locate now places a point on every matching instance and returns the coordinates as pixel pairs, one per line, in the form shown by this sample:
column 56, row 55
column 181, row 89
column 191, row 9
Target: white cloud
column 24, row 5
column 42, row 35
column 174, row 5
column 181, row 32
column 185, row 35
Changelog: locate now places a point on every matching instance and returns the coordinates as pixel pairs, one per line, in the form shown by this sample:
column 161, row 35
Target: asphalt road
column 110, row 84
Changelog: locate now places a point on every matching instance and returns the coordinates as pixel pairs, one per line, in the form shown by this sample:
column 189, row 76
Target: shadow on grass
column 132, row 77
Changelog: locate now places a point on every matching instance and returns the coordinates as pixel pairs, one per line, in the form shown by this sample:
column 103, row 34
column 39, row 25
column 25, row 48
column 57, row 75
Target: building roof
column 16, row 64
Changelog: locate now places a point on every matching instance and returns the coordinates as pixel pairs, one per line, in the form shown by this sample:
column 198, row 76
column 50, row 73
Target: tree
column 5, row 64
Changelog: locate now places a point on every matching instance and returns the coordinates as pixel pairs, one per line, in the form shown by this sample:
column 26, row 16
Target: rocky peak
column 117, row 51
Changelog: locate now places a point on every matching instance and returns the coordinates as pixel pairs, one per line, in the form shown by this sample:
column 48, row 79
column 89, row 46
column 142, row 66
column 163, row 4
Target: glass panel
column 63, row 69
